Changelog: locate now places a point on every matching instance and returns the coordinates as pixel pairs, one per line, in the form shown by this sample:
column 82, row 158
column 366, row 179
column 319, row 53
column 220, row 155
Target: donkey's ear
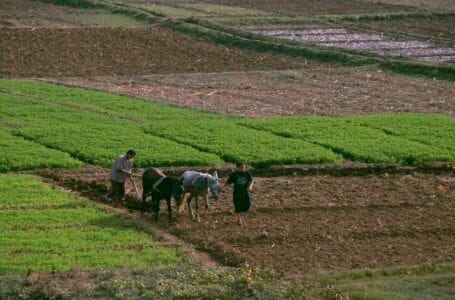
column 215, row 174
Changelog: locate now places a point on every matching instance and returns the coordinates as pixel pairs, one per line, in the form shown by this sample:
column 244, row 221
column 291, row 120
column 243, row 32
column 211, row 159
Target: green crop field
column 95, row 126
column 92, row 137
column 355, row 141
column 431, row 129
column 237, row 143
column 61, row 238
column 23, row 154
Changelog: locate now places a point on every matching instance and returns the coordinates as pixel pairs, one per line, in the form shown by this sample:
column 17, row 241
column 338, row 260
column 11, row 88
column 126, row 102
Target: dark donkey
column 160, row 187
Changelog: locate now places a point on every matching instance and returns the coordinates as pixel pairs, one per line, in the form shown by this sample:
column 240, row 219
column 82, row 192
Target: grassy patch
column 353, row 141
column 431, row 129
column 18, row 190
column 16, row 219
column 170, row 135
column 95, row 138
column 81, row 237
column 67, row 260
column 236, row 143
column 106, row 18
column 21, row 154
column 171, row 11
column 428, row 281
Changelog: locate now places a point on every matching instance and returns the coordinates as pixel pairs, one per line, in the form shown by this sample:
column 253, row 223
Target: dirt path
column 300, row 224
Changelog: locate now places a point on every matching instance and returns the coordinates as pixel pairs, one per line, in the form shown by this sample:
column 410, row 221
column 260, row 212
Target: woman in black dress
column 243, row 185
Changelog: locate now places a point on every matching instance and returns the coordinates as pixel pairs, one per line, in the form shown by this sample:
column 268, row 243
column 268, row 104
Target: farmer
column 243, row 185
column 119, row 171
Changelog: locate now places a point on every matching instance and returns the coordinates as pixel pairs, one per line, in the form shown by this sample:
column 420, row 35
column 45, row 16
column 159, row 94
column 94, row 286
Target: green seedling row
column 51, row 218
column 20, row 154
column 19, row 190
column 240, row 144
column 100, row 258
column 95, row 138
column 69, row 238
column 431, row 129
column 353, row 141
column 171, row 135
column 85, row 238
column 208, row 132
column 109, row 103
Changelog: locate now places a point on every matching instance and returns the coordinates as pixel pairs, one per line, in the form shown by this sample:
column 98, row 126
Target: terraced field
column 353, row 163
column 51, row 52
column 166, row 135
column 44, row 230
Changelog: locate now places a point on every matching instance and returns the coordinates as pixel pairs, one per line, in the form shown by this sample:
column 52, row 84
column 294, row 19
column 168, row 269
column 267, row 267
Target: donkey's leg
column 206, row 198
column 169, row 209
column 197, row 208
column 156, row 205
column 189, row 206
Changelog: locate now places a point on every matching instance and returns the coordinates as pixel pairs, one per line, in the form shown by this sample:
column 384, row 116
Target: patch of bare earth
column 52, row 52
column 300, row 224
column 27, row 13
column 310, row 91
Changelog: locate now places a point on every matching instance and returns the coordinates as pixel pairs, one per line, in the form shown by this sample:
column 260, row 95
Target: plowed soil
column 309, row 91
column 304, row 223
column 34, row 13
column 51, row 52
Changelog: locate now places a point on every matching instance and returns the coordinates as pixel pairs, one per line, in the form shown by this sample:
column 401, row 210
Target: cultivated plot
column 28, row 13
column 60, row 237
column 50, row 52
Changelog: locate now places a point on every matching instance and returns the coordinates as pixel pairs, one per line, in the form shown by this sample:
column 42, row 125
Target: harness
column 157, row 183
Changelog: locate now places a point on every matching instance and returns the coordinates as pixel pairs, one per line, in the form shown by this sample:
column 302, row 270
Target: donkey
column 199, row 184
column 156, row 184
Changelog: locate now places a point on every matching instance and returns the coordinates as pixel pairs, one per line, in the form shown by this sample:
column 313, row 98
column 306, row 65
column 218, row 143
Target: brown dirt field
column 309, row 91
column 52, row 52
column 27, row 13
column 306, row 7
column 34, row 13
column 300, row 224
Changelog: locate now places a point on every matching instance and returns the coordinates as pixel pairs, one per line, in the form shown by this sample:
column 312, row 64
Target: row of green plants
column 101, row 125
column 92, row 137
column 85, row 236
column 431, row 129
column 358, row 139
column 236, row 143
column 20, row 154
column 208, row 132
